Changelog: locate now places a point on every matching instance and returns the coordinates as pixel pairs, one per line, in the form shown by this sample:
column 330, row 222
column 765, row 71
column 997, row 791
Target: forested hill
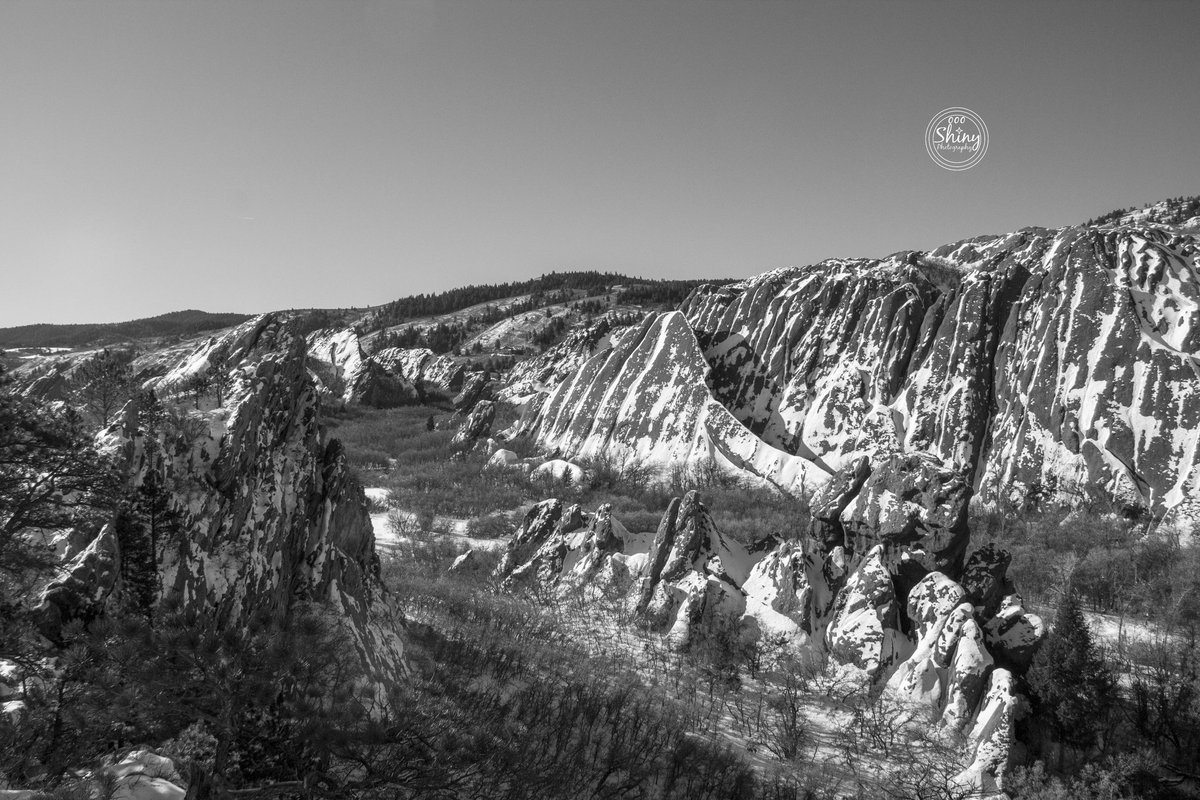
column 176, row 323
column 630, row 290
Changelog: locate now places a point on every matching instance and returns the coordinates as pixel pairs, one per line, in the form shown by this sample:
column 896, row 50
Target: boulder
column 1013, row 635
column 502, row 459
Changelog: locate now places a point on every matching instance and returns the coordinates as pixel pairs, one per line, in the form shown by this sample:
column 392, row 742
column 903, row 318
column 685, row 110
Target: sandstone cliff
column 1042, row 363
column 268, row 512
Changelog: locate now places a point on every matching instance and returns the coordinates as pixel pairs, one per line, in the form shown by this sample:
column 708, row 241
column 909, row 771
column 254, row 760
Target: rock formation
column 879, row 583
column 475, row 427
column 1040, row 364
column 423, row 369
column 268, row 510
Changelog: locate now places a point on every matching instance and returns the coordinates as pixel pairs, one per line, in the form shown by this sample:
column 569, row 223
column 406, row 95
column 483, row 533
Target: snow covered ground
column 390, row 537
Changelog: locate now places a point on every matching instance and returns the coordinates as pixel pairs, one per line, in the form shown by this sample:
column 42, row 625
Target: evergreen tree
column 144, row 523
column 50, row 477
column 105, row 383
column 1072, row 687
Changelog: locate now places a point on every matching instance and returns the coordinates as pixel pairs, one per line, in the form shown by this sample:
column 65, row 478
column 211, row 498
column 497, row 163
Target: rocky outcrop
column 879, row 585
column 475, row 427
column 222, row 356
column 537, row 552
column 1039, row 364
column 84, row 584
column 53, row 384
column 347, row 373
column 533, row 376
column 647, row 399
column 476, row 388
column 422, row 368
column 268, row 512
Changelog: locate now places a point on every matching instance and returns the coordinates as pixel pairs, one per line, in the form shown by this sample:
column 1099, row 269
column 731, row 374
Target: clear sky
column 248, row 156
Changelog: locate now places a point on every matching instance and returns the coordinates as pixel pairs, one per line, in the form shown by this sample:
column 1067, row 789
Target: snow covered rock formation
column 268, row 510
column 1039, row 363
column 880, row 582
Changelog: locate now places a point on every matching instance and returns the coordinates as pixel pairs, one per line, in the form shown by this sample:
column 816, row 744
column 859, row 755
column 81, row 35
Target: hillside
column 784, row 531
column 1047, row 364
column 175, row 323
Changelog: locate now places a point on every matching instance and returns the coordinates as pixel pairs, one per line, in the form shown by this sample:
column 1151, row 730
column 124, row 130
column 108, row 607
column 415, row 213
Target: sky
column 260, row 155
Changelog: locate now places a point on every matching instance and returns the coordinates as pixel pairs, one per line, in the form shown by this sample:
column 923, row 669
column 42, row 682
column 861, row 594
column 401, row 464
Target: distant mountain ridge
column 591, row 282
column 175, row 323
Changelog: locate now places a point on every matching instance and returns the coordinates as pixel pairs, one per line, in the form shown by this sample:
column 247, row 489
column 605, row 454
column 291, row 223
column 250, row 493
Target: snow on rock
column 859, row 587
column 476, row 426
column 347, row 373
column 541, row 373
column 84, row 582
column 914, row 507
column 467, row 562
column 646, row 398
column 779, row 593
column 476, row 388
column 1038, row 361
column 220, row 356
column 991, row 739
column 140, row 775
column 503, row 458
column 423, row 368
column 270, row 509
column 537, row 551
column 865, row 624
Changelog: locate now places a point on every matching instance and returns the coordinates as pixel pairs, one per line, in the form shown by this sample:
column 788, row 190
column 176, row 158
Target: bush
column 491, row 526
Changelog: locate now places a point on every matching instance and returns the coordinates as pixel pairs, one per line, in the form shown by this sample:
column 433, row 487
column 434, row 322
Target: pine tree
column 1072, row 687
column 106, row 382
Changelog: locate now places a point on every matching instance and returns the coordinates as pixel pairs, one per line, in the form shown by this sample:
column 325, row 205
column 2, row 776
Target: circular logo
column 956, row 138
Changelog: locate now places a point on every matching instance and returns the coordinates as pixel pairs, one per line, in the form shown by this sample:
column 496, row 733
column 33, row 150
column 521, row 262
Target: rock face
column 346, row 372
column 647, row 398
column 341, row 367
column 423, row 369
column 476, row 426
column 1038, row 363
column 532, row 376
column 879, row 584
column 476, row 388
column 268, row 510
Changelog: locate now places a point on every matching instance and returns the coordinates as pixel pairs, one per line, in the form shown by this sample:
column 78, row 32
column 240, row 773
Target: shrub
column 491, row 526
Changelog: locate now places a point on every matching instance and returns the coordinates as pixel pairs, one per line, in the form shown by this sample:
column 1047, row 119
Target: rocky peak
column 268, row 511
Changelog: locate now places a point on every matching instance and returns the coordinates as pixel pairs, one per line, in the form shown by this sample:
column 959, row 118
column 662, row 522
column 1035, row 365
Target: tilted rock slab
column 1040, row 363
column 646, row 398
